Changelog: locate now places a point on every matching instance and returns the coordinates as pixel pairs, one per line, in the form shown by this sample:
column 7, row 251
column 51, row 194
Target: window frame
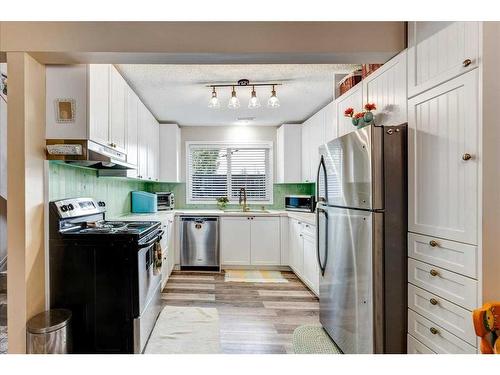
column 257, row 144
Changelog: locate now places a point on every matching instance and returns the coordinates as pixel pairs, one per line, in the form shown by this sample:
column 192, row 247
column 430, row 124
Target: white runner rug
column 185, row 330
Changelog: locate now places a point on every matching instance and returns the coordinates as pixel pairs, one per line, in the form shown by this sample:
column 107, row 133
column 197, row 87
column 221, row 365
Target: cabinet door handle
column 466, row 62
column 433, row 243
column 433, row 330
column 433, row 301
column 433, row 272
column 466, row 156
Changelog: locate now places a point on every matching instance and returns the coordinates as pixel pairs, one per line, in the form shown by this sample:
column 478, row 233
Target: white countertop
column 306, row 217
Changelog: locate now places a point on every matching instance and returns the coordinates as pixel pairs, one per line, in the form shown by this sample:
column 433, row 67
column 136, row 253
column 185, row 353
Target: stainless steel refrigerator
column 361, row 239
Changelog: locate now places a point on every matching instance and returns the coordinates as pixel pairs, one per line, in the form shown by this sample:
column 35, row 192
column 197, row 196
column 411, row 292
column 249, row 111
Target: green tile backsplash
column 279, row 192
column 66, row 181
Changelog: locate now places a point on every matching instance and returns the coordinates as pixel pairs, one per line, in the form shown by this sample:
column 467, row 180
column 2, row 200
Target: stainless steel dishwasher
column 200, row 243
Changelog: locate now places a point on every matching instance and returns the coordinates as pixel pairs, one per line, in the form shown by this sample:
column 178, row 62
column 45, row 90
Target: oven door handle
column 152, row 241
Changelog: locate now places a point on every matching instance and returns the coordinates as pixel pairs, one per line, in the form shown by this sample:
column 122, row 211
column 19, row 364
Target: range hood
column 86, row 153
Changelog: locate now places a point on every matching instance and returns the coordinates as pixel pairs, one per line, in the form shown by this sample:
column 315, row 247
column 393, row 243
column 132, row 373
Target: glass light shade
column 214, row 100
column 234, row 102
column 254, row 101
column 273, row 101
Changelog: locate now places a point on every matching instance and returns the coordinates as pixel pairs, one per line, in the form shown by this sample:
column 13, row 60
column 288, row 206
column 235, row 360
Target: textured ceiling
column 177, row 93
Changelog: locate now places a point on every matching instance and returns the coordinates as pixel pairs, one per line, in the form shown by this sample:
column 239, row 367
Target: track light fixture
column 234, row 101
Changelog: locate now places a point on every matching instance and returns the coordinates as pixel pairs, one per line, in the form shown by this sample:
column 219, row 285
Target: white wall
column 225, row 133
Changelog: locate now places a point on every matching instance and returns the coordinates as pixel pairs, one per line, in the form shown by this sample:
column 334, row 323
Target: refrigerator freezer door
column 354, row 170
column 346, row 294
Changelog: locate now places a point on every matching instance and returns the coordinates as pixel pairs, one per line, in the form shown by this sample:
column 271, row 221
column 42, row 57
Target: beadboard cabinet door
column 98, row 103
column 439, row 51
column 117, row 111
column 330, row 122
column 351, row 99
column 386, row 87
column 443, row 160
column 307, row 174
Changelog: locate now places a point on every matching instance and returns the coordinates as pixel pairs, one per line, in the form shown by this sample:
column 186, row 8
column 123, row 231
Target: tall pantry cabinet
column 443, row 169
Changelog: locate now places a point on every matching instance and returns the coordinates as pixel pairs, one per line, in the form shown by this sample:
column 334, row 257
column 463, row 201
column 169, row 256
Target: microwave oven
column 165, row 201
column 302, row 203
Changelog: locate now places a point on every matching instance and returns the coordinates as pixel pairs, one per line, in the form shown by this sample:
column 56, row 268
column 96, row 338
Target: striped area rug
column 254, row 276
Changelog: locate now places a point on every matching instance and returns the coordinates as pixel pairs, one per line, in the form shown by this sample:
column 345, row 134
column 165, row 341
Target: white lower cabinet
column 311, row 268
column 295, row 246
column 265, row 241
column 250, row 240
column 436, row 338
column 452, row 317
column 303, row 259
column 416, row 347
column 235, row 241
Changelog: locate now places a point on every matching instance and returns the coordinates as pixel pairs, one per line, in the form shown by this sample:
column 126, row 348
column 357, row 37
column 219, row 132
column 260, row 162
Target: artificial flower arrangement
column 366, row 115
column 222, row 202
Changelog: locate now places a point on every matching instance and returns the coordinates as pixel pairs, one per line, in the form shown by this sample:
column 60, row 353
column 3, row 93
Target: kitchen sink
column 238, row 210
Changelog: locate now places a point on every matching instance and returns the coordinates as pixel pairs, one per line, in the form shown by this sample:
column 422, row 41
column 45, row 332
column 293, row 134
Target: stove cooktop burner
column 114, row 227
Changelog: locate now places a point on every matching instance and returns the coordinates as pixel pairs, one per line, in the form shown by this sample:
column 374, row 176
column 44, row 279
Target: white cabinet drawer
column 416, row 347
column 436, row 338
column 453, row 256
column 445, row 314
column 308, row 229
column 454, row 287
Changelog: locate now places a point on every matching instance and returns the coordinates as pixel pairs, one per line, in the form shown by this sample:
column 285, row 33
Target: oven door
column 149, row 290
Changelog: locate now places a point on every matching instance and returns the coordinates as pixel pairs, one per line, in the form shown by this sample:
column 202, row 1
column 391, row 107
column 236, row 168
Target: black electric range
column 108, row 273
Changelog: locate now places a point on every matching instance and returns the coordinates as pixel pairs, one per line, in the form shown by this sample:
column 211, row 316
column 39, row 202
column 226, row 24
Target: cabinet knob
column 466, row 156
column 433, row 272
column 433, row 330
column 467, row 62
column 433, row 243
column 433, row 301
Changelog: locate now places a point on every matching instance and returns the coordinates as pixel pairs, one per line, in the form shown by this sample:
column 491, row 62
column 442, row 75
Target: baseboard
column 250, row 267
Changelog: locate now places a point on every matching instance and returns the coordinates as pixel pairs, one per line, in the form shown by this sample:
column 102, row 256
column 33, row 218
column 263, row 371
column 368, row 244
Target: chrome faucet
column 244, row 199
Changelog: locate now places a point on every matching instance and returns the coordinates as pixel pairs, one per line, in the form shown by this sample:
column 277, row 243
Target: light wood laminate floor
column 254, row 317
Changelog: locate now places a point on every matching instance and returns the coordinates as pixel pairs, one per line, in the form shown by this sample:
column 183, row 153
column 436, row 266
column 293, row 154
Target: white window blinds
column 221, row 170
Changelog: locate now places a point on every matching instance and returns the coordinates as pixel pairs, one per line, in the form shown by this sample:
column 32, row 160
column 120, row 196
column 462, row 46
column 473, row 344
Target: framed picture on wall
column 65, row 110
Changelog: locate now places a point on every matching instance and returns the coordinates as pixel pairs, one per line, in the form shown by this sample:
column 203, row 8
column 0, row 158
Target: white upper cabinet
column 316, row 130
column 386, row 87
column 351, row 99
column 439, row 51
column 307, row 175
column 131, row 120
column 443, row 160
column 117, row 114
column 317, row 138
column 98, row 103
column 153, row 134
column 331, row 131
column 170, row 153
column 288, row 153
column 143, row 134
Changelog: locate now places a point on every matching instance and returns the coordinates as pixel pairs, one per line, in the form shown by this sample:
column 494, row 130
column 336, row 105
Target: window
column 221, row 170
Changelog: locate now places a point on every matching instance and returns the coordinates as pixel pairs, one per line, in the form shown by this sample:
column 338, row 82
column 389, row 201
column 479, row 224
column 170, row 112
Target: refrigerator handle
column 321, row 266
column 321, row 166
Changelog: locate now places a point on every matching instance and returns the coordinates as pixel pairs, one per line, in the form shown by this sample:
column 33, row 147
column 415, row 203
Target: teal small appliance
column 144, row 202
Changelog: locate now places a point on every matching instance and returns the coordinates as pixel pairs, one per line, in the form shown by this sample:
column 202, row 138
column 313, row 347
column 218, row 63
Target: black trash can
column 49, row 333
